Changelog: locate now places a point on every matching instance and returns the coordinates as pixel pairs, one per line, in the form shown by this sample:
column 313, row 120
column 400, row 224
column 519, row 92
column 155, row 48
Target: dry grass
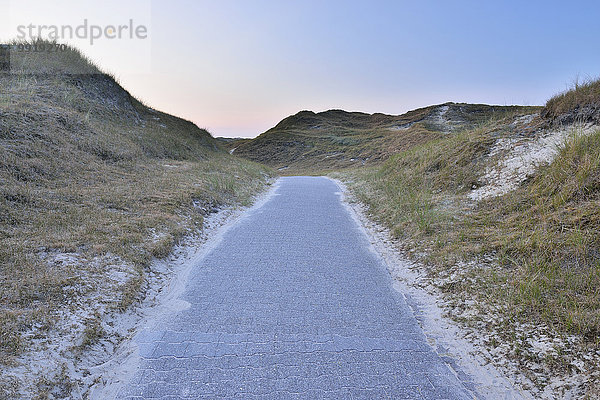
column 538, row 247
column 312, row 143
column 419, row 187
column 579, row 103
column 546, row 233
column 43, row 57
column 93, row 182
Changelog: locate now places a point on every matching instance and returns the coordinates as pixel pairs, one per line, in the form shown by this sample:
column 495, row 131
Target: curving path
column 292, row 304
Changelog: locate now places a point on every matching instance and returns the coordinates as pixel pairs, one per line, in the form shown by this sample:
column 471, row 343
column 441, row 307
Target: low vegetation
column 93, row 185
column 579, row 104
column 546, row 229
column 525, row 265
column 314, row 143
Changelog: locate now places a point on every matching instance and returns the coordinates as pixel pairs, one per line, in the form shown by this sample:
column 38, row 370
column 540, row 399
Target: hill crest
column 336, row 138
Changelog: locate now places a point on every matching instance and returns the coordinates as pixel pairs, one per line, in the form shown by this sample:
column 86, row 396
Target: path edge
column 446, row 338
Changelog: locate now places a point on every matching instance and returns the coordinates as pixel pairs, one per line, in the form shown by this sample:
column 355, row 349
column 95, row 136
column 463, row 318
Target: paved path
column 292, row 304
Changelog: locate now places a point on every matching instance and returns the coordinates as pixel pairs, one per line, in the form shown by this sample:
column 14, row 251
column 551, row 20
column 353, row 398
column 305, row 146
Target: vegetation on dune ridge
column 547, row 228
column 581, row 103
column 93, row 185
column 309, row 142
column 43, row 57
column 523, row 265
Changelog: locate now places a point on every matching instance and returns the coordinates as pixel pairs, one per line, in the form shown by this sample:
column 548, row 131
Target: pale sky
column 238, row 67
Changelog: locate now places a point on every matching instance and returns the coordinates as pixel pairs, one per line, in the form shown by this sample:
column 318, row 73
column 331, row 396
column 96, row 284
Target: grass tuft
column 580, row 103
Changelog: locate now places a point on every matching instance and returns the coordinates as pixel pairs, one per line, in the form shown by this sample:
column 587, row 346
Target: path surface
column 292, row 304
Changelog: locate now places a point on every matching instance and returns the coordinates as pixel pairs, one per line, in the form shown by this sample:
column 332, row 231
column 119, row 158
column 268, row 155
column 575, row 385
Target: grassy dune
column 545, row 234
column 93, row 185
column 313, row 143
column 522, row 265
column 580, row 103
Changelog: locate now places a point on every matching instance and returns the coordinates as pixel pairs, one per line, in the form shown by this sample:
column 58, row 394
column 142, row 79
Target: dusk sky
column 238, row 67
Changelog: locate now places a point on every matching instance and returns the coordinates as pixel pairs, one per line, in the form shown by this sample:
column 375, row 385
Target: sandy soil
column 518, row 159
column 449, row 339
column 59, row 366
column 500, row 374
column 117, row 369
